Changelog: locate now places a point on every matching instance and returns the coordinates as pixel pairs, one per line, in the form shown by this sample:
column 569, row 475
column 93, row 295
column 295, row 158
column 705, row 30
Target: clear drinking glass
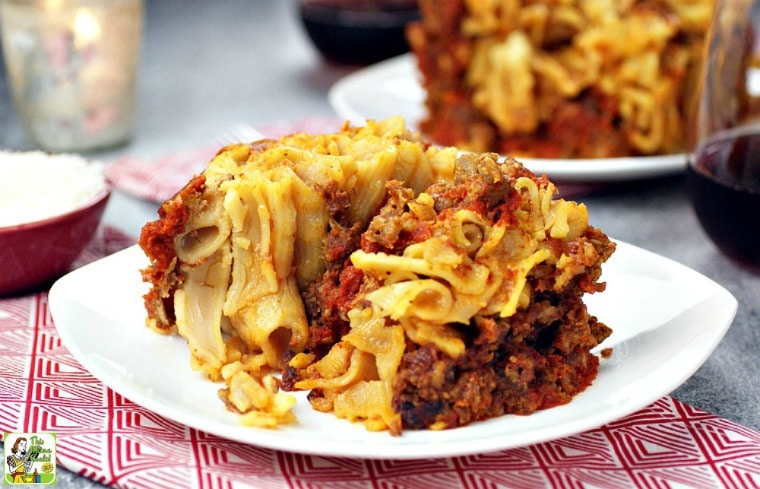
column 72, row 66
column 724, row 166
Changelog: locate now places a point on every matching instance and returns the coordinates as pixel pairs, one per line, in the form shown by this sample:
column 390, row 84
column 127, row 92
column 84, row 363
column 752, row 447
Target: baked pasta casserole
column 560, row 79
column 401, row 284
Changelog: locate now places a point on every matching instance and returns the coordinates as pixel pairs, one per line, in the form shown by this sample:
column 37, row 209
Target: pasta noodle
column 394, row 280
column 578, row 78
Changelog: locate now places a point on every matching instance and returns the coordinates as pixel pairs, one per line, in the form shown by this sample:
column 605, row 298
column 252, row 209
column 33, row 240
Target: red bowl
column 38, row 252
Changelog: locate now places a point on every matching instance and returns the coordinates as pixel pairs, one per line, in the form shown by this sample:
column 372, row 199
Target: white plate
column 392, row 87
column 667, row 319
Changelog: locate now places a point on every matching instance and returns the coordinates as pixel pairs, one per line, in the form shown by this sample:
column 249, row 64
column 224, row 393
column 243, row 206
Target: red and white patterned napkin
column 159, row 179
column 109, row 439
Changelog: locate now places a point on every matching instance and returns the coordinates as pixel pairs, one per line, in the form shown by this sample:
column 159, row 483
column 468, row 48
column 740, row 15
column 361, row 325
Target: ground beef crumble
column 536, row 359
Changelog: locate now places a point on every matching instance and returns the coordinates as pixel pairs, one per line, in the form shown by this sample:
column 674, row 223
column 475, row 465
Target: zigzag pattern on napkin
column 107, row 438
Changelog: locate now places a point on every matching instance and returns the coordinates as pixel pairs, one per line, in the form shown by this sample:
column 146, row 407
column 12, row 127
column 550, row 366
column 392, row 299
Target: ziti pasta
column 402, row 285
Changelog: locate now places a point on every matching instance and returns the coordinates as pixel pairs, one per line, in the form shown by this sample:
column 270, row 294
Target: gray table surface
column 207, row 66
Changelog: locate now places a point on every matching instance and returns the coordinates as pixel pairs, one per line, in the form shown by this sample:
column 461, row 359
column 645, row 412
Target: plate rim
column 58, row 296
column 590, row 170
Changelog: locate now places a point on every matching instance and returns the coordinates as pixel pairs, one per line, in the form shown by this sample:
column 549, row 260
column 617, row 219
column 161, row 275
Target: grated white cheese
column 36, row 185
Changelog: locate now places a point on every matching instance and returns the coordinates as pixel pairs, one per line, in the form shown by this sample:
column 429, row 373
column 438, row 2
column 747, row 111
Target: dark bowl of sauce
column 358, row 32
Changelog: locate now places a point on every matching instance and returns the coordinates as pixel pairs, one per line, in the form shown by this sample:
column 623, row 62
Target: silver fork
column 239, row 133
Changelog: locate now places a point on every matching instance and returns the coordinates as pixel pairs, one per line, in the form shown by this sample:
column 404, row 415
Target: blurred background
column 239, row 82
column 208, row 66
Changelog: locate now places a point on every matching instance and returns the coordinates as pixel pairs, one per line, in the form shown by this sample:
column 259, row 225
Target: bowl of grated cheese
column 50, row 208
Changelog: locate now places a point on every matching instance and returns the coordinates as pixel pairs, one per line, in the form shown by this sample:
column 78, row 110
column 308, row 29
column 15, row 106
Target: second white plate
column 392, row 87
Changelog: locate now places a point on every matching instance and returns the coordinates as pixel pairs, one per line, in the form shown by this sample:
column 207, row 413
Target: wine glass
column 724, row 163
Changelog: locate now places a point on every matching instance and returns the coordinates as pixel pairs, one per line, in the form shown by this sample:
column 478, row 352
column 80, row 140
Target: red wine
column 724, row 185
